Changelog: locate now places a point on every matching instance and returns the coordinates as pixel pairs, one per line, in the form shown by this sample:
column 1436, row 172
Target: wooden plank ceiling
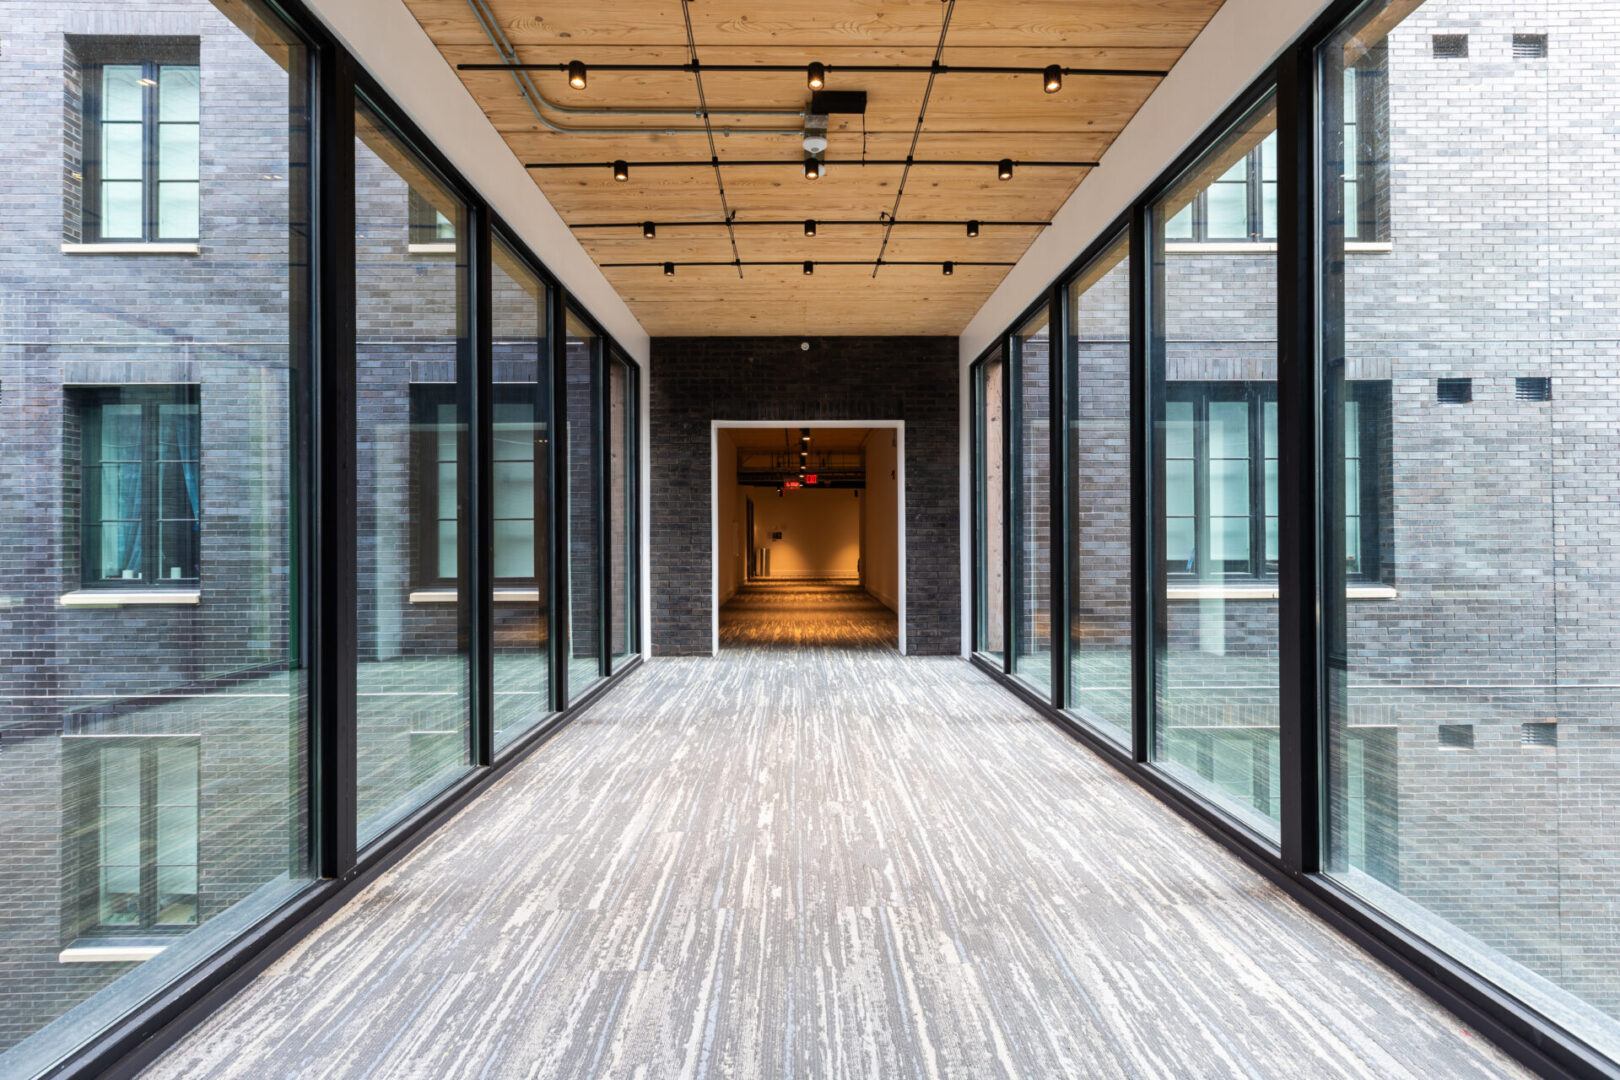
column 968, row 116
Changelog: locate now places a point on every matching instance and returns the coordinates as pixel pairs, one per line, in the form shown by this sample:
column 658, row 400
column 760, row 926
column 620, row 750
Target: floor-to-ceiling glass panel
column 1470, row 470
column 413, row 414
column 1098, row 388
column 989, row 570
column 1032, row 509
column 621, row 445
column 583, row 416
column 521, row 404
column 1213, row 374
column 154, row 736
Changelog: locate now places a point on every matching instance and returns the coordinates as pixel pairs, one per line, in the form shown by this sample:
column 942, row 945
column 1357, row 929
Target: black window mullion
column 149, row 151
column 148, row 872
column 1257, row 480
column 1057, row 517
column 1009, row 504
column 1148, row 578
column 561, row 646
column 1202, row 566
column 601, row 453
column 151, row 481
column 477, row 544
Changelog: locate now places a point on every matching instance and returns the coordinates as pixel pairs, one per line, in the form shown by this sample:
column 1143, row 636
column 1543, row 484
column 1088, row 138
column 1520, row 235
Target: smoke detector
column 815, row 144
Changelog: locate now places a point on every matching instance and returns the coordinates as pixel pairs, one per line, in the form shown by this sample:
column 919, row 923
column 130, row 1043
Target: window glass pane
column 411, row 311
column 1214, row 717
column 178, row 211
column 1180, row 227
column 129, row 732
column 1099, row 511
column 522, row 365
column 178, row 93
column 584, row 418
column 621, row 513
column 990, row 565
column 177, row 151
column 1032, row 544
column 1472, row 759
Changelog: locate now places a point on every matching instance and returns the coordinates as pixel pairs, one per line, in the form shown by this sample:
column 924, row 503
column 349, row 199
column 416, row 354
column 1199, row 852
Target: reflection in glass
column 989, row 566
column 412, row 419
column 583, row 414
column 1213, row 360
column 522, row 455
column 1032, row 548
column 153, row 755
column 1098, row 383
column 1469, row 605
column 621, row 508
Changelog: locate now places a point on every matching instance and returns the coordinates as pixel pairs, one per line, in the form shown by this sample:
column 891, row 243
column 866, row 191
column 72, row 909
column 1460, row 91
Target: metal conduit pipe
column 532, row 95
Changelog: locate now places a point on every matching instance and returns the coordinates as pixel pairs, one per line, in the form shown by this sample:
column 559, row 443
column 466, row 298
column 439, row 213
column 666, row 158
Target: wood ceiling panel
column 969, row 117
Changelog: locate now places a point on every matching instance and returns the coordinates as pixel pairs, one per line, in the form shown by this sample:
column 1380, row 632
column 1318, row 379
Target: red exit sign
column 811, row 478
column 790, row 484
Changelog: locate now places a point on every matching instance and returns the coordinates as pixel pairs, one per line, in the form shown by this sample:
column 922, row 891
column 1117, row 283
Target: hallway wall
column 733, row 523
column 821, row 532
column 694, row 381
column 880, row 523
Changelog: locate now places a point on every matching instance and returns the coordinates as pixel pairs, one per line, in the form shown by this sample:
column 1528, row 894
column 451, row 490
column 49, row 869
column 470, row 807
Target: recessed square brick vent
column 1529, row 46
column 1457, row 736
column 1451, row 46
column 1454, row 391
column 1532, row 389
column 1539, row 734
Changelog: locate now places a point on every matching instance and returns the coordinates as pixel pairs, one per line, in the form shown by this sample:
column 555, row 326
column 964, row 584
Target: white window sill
column 431, row 249
column 131, row 249
column 1269, row 592
column 131, row 597
column 109, row 953
column 1265, row 247
column 450, row 596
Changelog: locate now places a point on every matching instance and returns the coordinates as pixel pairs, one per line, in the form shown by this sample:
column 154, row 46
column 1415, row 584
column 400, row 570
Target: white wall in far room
column 821, row 532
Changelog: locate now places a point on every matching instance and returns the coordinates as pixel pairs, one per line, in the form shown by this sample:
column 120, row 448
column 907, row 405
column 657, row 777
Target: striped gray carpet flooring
column 823, row 863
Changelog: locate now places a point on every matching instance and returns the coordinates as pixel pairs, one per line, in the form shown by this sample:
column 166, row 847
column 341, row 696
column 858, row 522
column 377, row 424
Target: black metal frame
column 323, row 467
column 1311, row 570
column 91, row 217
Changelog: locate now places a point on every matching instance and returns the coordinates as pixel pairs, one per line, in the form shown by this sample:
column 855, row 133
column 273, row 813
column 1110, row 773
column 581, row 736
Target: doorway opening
column 808, row 534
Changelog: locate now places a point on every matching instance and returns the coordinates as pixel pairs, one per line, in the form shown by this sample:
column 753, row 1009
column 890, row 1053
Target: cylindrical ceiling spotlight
column 812, row 168
column 816, row 75
column 1004, row 169
column 649, row 230
column 809, row 227
column 972, row 229
column 669, row 269
column 1054, row 79
column 621, row 171
column 576, row 74
column 949, row 268
column 809, row 268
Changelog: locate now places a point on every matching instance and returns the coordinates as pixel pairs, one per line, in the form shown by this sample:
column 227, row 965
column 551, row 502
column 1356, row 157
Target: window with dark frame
column 138, row 797
column 139, row 486
column 1239, row 205
column 435, row 434
column 428, row 225
column 1220, row 490
column 141, row 148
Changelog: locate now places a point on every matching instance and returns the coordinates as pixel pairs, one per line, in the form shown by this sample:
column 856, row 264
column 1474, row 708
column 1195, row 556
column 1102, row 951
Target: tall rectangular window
column 1031, row 348
column 1212, row 372
column 521, row 337
column 621, row 446
column 989, row 534
column 142, row 152
column 1098, row 414
column 154, row 715
column 1237, row 200
column 584, row 415
column 413, row 404
column 1470, row 751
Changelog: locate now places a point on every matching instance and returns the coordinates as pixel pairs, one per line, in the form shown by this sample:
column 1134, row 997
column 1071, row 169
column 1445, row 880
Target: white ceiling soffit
column 1240, row 41
column 390, row 44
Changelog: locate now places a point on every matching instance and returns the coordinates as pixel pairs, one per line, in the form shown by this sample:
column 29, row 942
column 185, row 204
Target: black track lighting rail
column 795, row 222
column 799, row 163
column 864, row 69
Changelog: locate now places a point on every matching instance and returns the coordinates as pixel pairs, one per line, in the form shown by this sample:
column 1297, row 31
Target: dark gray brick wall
column 695, row 381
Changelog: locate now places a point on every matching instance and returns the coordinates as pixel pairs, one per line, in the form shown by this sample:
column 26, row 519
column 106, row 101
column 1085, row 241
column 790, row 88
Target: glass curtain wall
column 1031, row 347
column 154, row 719
column 621, row 446
column 413, row 413
column 521, row 355
column 1470, row 475
column 1213, row 379
column 582, row 414
column 989, row 569
column 1098, row 414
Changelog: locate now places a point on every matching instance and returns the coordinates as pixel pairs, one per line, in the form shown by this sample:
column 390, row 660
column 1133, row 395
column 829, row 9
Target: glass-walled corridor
column 1338, row 470
column 280, row 519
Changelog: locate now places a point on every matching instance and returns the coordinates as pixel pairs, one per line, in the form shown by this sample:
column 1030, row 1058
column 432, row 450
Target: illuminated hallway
column 789, row 614
column 823, row 863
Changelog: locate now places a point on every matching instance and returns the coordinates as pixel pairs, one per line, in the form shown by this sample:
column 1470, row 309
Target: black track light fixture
column 809, row 226
column 1054, row 79
column 816, row 75
column 1004, row 169
column 669, row 269
column 809, row 268
column 972, row 230
column 621, row 171
column 812, row 168
column 949, row 268
column 576, row 74
column 649, row 230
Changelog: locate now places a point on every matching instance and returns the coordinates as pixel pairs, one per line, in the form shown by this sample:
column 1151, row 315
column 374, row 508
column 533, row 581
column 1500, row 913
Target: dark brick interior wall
column 699, row 380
